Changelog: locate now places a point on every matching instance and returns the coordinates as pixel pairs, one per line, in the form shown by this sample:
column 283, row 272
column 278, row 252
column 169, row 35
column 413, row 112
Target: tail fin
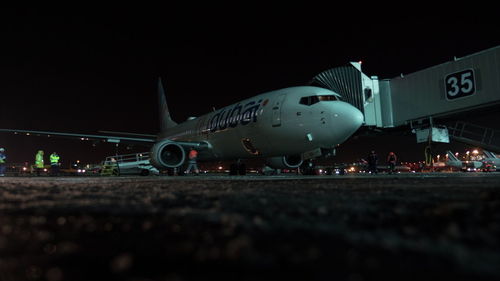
column 165, row 120
column 489, row 154
column 451, row 156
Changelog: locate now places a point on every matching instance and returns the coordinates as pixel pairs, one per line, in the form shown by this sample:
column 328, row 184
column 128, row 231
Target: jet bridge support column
column 427, row 132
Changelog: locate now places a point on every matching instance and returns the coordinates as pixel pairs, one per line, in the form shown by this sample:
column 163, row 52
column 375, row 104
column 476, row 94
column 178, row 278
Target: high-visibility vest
column 54, row 158
column 39, row 160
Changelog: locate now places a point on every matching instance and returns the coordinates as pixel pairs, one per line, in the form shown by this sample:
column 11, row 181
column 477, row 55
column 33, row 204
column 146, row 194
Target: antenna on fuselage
column 165, row 119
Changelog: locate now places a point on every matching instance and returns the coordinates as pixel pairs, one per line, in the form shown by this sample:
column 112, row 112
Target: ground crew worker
column 39, row 162
column 391, row 161
column 193, row 155
column 54, row 164
column 2, row 161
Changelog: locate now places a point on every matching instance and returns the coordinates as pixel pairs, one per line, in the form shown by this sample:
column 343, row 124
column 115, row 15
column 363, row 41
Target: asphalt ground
column 352, row 227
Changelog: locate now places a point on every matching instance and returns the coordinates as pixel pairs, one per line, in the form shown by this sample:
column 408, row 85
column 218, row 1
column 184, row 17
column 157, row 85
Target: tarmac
column 421, row 226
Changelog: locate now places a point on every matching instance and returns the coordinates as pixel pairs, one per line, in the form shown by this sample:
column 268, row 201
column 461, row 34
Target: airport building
column 431, row 102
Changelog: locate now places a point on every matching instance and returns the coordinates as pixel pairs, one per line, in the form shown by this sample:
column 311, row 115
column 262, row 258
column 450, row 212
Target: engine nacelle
column 167, row 154
column 284, row 162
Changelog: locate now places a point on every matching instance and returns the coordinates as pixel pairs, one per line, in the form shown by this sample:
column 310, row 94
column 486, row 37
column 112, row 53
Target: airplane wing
column 146, row 139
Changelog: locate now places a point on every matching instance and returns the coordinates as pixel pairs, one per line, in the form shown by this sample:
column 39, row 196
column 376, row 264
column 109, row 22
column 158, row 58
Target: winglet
column 165, row 120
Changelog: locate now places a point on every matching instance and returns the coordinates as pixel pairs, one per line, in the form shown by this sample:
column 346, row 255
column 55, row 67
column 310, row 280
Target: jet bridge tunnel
column 431, row 98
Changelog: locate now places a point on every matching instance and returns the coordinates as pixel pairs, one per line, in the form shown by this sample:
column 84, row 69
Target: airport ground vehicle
column 128, row 164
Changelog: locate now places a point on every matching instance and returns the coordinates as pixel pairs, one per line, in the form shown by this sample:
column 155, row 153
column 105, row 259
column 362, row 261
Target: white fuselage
column 272, row 124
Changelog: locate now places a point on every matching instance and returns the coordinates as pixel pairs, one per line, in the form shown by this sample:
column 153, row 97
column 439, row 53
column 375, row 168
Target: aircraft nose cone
column 348, row 119
column 357, row 117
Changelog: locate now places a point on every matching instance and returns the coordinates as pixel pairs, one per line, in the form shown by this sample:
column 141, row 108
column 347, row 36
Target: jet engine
column 284, row 162
column 167, row 154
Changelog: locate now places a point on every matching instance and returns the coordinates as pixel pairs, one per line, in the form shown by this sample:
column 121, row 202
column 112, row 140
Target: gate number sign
column 460, row 84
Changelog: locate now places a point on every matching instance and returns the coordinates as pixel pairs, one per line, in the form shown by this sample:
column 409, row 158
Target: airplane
column 491, row 158
column 282, row 126
column 454, row 162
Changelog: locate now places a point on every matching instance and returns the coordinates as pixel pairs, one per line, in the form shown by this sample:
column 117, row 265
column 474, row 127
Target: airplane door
column 277, row 111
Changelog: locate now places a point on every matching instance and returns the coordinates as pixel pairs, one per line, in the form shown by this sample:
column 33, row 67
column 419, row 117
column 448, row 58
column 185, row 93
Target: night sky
column 84, row 70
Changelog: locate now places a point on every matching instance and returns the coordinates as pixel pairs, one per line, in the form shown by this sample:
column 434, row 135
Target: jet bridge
column 425, row 99
column 359, row 90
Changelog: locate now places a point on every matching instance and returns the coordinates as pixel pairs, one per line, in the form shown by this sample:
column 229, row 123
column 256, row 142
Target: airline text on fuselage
column 232, row 117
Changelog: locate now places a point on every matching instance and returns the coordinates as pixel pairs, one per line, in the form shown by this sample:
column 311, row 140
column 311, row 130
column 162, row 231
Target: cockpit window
column 327, row 98
column 309, row 100
column 315, row 99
